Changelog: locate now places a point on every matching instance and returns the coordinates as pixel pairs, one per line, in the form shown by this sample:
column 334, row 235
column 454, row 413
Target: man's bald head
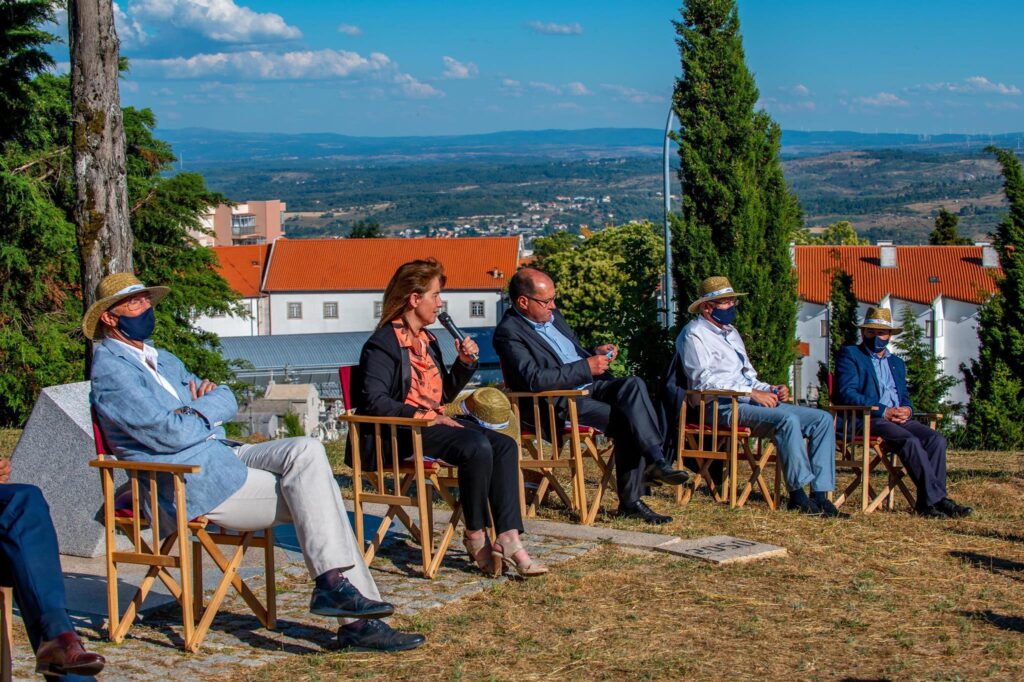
column 532, row 292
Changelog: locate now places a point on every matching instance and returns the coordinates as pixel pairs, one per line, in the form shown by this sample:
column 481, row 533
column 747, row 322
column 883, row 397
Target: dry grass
column 881, row 596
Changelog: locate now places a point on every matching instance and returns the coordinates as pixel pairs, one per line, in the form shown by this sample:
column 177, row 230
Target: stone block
column 54, row 453
column 723, row 549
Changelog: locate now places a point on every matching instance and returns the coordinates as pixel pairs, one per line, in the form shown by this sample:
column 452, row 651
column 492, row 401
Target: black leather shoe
column 799, row 502
column 345, row 601
column 951, row 508
column 930, row 512
column 662, row 472
column 828, row 509
column 376, row 635
column 639, row 510
column 65, row 655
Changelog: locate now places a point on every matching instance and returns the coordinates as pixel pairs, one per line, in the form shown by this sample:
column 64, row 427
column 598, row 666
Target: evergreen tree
column 995, row 414
column 366, row 229
column 945, row 232
column 22, row 55
column 926, row 383
column 842, row 233
column 842, row 328
column 738, row 216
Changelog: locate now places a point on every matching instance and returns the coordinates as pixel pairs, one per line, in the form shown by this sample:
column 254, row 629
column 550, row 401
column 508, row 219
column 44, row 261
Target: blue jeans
column 788, row 425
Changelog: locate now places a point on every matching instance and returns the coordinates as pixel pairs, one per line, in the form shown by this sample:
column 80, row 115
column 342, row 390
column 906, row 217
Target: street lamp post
column 667, row 297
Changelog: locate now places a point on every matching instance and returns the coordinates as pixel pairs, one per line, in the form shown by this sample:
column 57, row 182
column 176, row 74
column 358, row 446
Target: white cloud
column 633, row 95
column 129, row 30
column 350, row 30
column 545, row 87
column 412, row 88
column 798, row 90
column 551, row 28
column 219, row 20
column 882, row 99
column 510, row 83
column 577, row 88
column 972, row 85
column 257, row 65
column 456, row 70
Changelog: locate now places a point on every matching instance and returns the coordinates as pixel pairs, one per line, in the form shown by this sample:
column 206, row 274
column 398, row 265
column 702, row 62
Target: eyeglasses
column 544, row 302
column 136, row 303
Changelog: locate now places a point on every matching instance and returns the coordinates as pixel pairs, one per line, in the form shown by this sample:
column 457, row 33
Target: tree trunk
column 101, row 189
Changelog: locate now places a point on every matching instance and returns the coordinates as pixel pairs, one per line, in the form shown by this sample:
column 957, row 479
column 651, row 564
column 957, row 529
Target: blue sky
column 419, row 67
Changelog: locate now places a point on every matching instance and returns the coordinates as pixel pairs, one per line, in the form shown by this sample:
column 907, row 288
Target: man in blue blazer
column 869, row 374
column 152, row 409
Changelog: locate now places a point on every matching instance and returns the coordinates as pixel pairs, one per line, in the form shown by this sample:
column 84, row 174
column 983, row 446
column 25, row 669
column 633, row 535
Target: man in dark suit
column 539, row 352
column 30, row 564
column 868, row 374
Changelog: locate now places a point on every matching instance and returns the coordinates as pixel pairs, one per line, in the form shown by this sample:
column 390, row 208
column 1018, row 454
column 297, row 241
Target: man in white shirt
column 714, row 357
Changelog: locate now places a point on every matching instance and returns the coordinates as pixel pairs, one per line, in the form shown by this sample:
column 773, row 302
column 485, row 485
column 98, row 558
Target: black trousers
column 29, row 561
column 488, row 465
column 622, row 409
column 922, row 451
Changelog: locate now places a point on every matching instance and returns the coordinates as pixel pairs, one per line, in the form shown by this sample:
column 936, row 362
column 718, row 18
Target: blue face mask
column 724, row 315
column 876, row 344
column 138, row 328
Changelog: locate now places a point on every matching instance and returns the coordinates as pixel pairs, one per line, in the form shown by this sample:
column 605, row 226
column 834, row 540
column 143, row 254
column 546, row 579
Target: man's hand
column 609, row 350
column 898, row 415
column 5, row 470
column 783, row 392
column 764, row 398
column 203, row 389
column 467, row 349
column 598, row 364
column 447, row 421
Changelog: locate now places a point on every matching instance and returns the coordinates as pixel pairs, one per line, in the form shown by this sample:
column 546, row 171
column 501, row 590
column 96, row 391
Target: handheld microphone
column 446, row 320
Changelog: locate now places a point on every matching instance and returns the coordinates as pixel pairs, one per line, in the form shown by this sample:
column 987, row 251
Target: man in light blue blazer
column 150, row 408
column 869, row 374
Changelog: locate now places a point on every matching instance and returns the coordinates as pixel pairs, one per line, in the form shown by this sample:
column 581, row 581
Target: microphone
column 446, row 320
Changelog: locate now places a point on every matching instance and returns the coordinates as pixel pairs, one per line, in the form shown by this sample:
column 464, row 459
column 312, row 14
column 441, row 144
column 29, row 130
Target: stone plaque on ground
column 723, row 549
column 54, row 453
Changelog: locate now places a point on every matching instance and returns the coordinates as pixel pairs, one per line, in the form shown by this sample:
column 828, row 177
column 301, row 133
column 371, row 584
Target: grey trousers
column 290, row 481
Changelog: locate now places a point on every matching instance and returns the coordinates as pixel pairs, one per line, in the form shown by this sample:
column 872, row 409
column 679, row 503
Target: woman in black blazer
column 402, row 374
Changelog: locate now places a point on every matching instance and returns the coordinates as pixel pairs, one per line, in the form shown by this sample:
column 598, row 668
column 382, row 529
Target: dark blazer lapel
column 532, row 337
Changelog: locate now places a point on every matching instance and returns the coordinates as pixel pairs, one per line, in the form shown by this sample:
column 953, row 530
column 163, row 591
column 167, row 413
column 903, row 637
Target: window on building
column 378, row 309
column 824, row 328
column 476, row 308
column 294, row 311
column 933, row 329
column 330, row 310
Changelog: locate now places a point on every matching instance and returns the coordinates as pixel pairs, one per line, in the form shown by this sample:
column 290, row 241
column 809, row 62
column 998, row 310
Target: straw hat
column 489, row 407
column 713, row 289
column 112, row 290
column 880, row 319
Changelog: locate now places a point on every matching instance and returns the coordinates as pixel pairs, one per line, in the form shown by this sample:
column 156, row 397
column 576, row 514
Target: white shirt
column 147, row 357
column 716, row 359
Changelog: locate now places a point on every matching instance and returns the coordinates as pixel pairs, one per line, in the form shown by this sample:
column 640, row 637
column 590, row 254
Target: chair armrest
column 567, row 393
column 384, row 421
column 718, row 393
column 146, row 467
column 852, row 408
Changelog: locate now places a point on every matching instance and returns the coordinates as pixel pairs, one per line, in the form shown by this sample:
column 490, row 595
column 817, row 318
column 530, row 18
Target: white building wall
column 230, row 325
column 960, row 342
column 356, row 310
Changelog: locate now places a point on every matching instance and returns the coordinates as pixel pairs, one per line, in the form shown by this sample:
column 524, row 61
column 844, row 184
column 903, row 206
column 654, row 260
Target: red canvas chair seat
column 567, row 431
column 862, row 454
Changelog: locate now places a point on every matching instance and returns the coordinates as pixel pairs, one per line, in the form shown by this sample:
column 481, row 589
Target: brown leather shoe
column 65, row 655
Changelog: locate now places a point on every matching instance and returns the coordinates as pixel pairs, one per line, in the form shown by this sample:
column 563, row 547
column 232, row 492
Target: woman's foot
column 479, row 549
column 512, row 553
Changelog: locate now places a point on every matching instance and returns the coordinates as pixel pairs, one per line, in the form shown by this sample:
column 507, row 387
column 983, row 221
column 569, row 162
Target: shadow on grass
column 1007, row 567
column 1001, row 621
column 989, row 533
column 960, row 475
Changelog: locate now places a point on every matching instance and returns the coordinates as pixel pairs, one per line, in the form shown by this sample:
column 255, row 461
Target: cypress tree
column 995, row 415
column 842, row 327
column 738, row 216
column 945, row 232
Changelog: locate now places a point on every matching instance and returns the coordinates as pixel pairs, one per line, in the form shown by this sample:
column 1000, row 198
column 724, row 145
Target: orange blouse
column 426, row 389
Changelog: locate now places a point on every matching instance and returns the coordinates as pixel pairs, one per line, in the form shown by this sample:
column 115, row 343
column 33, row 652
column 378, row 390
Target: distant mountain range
column 202, row 146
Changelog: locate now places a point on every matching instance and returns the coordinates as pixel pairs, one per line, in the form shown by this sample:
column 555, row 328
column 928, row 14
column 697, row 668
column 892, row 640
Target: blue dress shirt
column 888, row 395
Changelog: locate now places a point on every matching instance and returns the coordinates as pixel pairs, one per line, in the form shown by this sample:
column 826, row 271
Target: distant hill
column 202, row 146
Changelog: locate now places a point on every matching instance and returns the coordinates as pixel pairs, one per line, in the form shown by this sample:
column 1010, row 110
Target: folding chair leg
column 198, row 599
column 6, row 640
column 270, row 578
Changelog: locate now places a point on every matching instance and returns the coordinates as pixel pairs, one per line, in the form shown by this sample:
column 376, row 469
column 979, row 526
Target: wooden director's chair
column 545, row 456
column 398, row 483
column 706, row 441
column 857, row 450
column 125, row 513
column 6, row 636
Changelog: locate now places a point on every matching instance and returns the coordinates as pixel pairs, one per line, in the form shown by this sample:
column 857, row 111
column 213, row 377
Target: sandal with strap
column 473, row 547
column 507, row 555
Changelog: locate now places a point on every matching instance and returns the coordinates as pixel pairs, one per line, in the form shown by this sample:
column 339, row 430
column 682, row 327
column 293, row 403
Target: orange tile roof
column 921, row 273
column 367, row 264
column 242, row 267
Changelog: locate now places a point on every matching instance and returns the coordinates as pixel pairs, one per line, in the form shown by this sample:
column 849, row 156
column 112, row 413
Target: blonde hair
column 414, row 277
